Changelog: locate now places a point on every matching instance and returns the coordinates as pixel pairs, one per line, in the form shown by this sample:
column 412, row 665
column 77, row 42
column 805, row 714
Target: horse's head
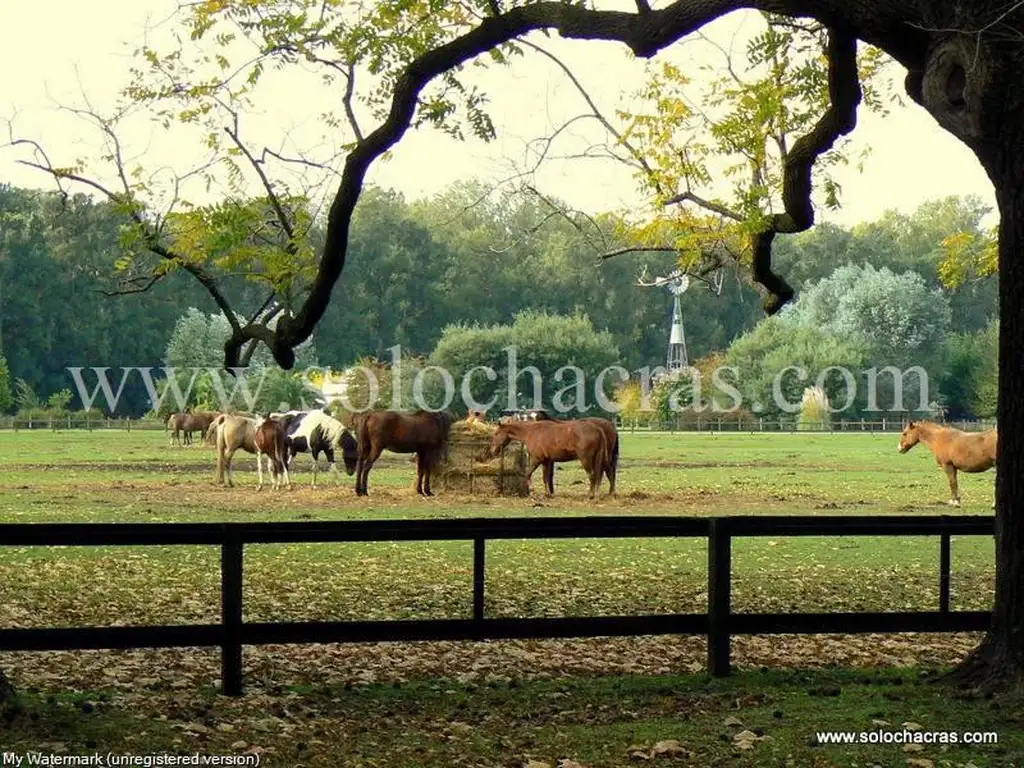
column 349, row 452
column 911, row 436
column 502, row 437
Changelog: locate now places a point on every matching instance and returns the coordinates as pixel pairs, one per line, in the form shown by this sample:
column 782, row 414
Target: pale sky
column 52, row 45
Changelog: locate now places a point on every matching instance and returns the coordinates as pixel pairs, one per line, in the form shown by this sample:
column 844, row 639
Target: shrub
column 815, row 412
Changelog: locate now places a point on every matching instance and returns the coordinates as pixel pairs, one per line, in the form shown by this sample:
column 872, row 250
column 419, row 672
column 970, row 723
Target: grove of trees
column 438, row 275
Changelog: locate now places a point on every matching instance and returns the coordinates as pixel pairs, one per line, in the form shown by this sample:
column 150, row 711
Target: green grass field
column 135, row 477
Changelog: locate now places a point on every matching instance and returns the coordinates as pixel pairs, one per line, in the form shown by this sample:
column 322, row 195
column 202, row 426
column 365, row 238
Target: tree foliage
column 550, row 344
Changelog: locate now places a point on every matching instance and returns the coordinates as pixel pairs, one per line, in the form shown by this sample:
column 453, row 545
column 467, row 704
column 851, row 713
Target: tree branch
column 709, row 205
column 645, row 34
column 838, row 120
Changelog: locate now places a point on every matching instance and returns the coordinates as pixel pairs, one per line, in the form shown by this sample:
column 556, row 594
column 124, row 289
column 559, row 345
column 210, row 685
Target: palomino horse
column 549, row 441
column 953, row 450
column 240, row 432
column 611, row 435
column 424, row 433
column 188, row 423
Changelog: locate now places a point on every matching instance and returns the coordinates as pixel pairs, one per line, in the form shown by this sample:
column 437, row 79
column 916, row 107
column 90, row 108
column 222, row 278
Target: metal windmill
column 676, row 282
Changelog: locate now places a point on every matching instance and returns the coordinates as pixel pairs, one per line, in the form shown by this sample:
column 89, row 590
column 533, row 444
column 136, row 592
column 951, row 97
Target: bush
column 815, row 412
column 59, row 402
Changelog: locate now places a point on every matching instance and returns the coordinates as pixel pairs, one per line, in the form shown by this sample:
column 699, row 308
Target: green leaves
column 742, row 126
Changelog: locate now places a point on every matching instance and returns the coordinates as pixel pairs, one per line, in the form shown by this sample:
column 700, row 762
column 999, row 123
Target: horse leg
column 228, row 456
column 420, row 462
column 534, row 463
column 363, row 483
column 428, row 463
column 954, row 491
column 284, row 470
column 549, row 477
column 316, row 465
column 259, row 469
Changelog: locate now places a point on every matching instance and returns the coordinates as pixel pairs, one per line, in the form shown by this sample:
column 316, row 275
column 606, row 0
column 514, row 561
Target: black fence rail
column 719, row 623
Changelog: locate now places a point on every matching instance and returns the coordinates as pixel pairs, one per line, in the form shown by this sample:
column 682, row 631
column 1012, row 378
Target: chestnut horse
column 549, row 441
column 424, row 433
column 270, row 441
column 953, row 450
column 611, row 434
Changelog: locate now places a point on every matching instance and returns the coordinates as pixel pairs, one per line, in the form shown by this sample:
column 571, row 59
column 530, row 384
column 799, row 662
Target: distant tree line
column 463, row 270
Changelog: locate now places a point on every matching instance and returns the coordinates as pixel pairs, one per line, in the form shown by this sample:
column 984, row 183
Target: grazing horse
column 549, row 441
column 236, row 432
column 424, row 433
column 953, row 450
column 611, row 435
column 316, row 432
column 188, row 423
column 269, row 441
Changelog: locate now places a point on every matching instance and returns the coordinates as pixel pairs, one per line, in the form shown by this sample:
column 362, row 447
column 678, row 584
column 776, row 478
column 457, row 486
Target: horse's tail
column 222, row 444
column 614, row 451
column 167, row 424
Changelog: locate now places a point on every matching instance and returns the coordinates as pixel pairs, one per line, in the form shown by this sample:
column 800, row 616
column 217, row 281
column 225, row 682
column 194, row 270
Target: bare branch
column 282, row 216
column 149, row 283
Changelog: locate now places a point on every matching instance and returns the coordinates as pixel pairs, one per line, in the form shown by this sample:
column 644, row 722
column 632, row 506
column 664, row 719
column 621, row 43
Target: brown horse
column 549, row 441
column 270, row 441
column 188, row 423
column 611, row 435
column 424, row 433
column 953, row 450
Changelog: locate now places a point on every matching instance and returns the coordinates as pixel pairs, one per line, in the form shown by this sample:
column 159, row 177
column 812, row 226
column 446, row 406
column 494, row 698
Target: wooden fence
column 719, row 623
column 710, row 423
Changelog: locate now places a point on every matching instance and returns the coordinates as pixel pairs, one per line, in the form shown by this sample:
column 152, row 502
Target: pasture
column 496, row 703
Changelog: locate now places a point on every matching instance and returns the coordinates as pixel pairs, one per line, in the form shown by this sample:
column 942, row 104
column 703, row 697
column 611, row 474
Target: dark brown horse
column 611, row 435
column 549, row 441
column 424, row 433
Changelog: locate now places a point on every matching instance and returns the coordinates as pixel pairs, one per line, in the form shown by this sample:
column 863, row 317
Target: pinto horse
column 424, row 433
column 953, row 450
column 549, row 441
column 316, row 432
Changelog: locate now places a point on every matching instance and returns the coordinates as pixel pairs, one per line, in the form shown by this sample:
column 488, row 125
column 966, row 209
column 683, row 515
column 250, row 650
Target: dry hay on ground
column 462, row 470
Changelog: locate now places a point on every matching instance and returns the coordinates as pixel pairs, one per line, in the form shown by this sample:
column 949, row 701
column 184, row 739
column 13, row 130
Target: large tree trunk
column 998, row 663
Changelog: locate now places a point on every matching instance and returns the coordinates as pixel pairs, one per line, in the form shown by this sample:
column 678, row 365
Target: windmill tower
column 676, row 282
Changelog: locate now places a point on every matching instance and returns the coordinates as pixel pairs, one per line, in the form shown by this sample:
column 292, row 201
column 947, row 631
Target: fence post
column 944, row 563
column 719, row 596
column 231, row 616
column 479, row 559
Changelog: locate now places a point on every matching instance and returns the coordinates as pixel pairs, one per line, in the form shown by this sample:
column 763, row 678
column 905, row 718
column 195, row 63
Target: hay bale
column 463, row 470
